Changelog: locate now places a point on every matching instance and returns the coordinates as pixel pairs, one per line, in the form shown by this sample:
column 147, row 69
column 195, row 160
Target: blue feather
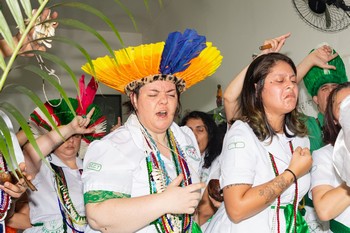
column 179, row 50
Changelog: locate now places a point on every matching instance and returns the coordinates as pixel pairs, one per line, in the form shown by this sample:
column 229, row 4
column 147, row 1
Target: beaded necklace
column 5, row 198
column 70, row 215
column 159, row 179
column 275, row 169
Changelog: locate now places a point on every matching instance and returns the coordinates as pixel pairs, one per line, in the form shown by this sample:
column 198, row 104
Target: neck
column 276, row 122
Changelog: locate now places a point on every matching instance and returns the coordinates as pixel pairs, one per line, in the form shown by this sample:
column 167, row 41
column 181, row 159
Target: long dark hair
column 215, row 135
column 251, row 103
column 330, row 128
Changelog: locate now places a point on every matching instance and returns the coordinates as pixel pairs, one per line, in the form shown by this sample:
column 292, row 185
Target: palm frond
column 17, row 14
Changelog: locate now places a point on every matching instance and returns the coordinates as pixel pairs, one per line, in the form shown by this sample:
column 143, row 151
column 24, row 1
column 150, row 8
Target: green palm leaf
column 96, row 12
column 52, row 81
column 17, row 14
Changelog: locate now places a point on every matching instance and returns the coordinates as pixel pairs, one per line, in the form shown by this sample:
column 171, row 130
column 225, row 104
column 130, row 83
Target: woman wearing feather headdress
column 57, row 205
column 143, row 177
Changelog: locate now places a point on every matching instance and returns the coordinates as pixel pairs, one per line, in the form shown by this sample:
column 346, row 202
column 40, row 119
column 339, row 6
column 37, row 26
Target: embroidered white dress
column 118, row 162
column 245, row 159
column 43, row 204
column 323, row 173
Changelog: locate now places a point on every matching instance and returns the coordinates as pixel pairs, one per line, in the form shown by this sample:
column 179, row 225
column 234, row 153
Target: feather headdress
column 62, row 115
column 184, row 59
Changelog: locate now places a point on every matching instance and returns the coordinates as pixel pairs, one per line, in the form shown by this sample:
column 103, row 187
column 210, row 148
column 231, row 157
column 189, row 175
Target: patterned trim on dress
column 98, row 196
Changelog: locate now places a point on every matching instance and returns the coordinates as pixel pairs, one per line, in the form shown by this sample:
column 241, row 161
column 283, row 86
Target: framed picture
column 111, row 107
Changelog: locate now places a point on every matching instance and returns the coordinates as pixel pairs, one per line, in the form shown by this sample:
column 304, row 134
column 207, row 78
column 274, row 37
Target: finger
column 196, row 187
column 284, row 36
column 89, row 115
column 45, row 14
column 177, row 181
column 119, row 121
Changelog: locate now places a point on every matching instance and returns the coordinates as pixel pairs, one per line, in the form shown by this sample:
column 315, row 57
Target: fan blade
column 328, row 18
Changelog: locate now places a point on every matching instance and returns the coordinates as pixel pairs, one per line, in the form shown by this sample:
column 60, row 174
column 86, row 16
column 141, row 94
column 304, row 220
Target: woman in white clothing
column 330, row 194
column 143, row 177
column 265, row 158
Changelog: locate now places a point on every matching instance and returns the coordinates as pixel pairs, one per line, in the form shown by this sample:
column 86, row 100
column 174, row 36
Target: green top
column 314, row 126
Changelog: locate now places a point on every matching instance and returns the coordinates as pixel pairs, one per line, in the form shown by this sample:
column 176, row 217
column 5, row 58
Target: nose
column 163, row 98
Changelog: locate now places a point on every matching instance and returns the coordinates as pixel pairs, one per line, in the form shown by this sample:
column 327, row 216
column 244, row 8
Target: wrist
column 293, row 174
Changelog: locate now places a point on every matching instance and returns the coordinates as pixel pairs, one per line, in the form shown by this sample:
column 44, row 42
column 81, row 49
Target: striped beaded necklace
column 5, row 198
column 275, row 170
column 70, row 215
column 159, row 179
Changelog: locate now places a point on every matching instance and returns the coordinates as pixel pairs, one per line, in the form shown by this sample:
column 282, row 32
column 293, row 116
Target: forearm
column 46, row 143
column 303, row 67
column 332, row 202
column 244, row 202
column 231, row 95
column 141, row 210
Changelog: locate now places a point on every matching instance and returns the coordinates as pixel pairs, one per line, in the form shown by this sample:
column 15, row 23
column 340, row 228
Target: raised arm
column 50, row 141
column 233, row 90
column 319, row 57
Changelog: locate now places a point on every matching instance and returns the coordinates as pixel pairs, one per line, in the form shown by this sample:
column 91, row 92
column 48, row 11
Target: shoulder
column 323, row 154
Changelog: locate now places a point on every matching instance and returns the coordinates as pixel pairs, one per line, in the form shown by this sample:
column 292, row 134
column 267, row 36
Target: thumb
column 177, row 181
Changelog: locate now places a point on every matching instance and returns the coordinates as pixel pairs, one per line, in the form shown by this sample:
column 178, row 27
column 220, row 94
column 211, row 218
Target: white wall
column 237, row 28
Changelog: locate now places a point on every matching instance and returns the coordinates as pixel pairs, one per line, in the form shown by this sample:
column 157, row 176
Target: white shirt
column 323, row 173
column 43, row 204
column 118, row 162
column 245, row 159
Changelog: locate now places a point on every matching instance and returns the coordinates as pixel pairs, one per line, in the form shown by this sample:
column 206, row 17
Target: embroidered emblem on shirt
column 191, row 152
column 94, row 166
column 236, row 145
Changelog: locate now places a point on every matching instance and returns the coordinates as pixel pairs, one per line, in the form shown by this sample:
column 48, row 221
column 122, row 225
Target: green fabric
column 101, row 195
column 315, row 131
column 317, row 77
column 301, row 225
column 196, row 228
column 338, row 227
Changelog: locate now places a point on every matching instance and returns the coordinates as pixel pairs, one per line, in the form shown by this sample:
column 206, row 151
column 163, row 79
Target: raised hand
column 276, row 44
column 301, row 161
column 80, row 123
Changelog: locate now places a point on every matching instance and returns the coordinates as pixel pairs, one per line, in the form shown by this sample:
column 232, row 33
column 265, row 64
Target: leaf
column 52, row 81
column 6, row 32
column 35, row 99
column 96, row 12
column 57, row 60
column 27, row 8
column 24, row 126
column 77, row 24
column 17, row 14
column 2, row 63
column 6, row 135
column 126, row 10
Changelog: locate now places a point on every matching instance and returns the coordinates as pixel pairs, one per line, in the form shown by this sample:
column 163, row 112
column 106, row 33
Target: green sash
column 196, row 228
column 338, row 227
column 301, row 225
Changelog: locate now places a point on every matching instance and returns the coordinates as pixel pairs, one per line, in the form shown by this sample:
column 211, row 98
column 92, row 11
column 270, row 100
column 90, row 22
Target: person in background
column 58, row 204
column 209, row 139
column 146, row 172
column 319, row 82
column 330, row 194
column 265, row 158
